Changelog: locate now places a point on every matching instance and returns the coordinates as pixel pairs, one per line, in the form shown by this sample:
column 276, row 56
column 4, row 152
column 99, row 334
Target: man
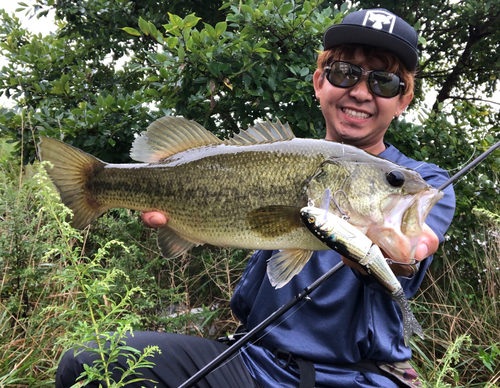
column 349, row 335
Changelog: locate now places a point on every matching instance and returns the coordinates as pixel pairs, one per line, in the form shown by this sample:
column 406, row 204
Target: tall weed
column 450, row 308
column 52, row 297
column 61, row 288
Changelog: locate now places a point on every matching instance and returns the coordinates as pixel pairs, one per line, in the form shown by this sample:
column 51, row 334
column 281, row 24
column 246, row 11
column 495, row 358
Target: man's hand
column 154, row 219
column 427, row 245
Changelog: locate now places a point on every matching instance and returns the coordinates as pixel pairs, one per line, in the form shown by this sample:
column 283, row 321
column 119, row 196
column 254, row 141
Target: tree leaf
column 144, row 26
column 190, row 21
column 220, row 28
column 285, row 8
column 181, row 53
column 131, row 31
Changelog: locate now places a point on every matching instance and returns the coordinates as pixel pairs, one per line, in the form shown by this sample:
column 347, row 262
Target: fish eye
column 312, row 219
column 396, row 178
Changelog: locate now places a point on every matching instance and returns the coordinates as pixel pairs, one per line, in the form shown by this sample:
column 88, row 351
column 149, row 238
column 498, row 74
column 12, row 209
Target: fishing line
column 465, row 164
column 325, row 202
column 416, row 168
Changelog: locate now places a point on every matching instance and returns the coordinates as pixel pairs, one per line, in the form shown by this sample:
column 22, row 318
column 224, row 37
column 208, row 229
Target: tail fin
column 410, row 323
column 70, row 173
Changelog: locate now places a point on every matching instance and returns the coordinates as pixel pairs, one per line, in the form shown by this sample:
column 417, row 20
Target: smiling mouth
column 355, row 114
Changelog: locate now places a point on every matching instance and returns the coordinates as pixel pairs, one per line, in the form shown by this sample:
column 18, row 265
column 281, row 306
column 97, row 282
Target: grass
column 61, row 287
column 453, row 305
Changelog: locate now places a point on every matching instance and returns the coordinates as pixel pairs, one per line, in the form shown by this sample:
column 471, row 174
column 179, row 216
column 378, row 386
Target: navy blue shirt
column 345, row 322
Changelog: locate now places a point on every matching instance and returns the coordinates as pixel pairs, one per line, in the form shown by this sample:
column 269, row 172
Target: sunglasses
column 346, row 75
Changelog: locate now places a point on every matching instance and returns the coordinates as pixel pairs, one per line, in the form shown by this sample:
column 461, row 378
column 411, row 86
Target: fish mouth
column 403, row 222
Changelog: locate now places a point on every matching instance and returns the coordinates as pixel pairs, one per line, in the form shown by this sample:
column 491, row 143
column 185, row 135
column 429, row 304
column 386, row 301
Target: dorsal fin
column 266, row 132
column 168, row 136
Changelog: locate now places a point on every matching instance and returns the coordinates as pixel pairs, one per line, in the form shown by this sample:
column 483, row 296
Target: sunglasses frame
column 363, row 72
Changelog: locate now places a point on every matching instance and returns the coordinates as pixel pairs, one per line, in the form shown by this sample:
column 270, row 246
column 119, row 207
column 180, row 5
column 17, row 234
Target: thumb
column 422, row 251
column 154, row 219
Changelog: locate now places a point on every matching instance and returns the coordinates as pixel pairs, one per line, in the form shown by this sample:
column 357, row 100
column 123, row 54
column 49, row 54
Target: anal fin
column 284, row 265
column 172, row 244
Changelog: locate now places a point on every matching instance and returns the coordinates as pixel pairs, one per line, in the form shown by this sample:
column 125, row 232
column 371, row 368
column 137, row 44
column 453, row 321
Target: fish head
column 387, row 202
column 403, row 214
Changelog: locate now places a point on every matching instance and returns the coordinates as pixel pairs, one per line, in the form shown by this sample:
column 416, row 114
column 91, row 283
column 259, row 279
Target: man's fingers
column 154, row 219
column 422, row 251
column 427, row 245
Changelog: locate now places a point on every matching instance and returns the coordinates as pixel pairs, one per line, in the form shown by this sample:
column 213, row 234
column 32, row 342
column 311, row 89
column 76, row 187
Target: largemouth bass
column 344, row 238
column 244, row 192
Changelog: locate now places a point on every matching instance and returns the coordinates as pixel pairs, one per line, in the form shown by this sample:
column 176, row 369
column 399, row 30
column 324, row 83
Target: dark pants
column 181, row 357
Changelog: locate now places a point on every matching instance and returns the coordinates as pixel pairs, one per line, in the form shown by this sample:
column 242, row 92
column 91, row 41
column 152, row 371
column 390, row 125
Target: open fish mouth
column 405, row 216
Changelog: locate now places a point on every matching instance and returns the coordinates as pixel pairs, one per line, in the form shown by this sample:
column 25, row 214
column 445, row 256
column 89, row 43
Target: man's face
column 355, row 115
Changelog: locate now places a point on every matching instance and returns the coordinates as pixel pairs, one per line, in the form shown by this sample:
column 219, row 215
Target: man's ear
column 318, row 81
column 404, row 101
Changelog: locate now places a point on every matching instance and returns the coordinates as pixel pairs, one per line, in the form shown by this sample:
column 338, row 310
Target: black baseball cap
column 376, row 27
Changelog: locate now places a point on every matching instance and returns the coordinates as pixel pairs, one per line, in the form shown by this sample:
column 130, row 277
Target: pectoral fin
column 285, row 264
column 172, row 244
column 274, row 221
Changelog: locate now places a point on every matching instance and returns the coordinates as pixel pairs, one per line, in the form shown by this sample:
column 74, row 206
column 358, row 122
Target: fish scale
column 197, row 198
column 244, row 192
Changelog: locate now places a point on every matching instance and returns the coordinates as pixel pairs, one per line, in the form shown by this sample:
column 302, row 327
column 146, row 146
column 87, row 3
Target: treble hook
column 414, row 264
column 344, row 215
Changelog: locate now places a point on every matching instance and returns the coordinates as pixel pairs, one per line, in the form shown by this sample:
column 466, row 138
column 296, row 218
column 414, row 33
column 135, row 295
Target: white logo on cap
column 380, row 20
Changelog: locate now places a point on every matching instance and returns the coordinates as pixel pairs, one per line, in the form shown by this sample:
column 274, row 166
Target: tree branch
column 472, row 99
column 476, row 33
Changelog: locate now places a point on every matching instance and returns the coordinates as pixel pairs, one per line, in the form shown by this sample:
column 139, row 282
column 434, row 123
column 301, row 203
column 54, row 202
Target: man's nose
column 361, row 90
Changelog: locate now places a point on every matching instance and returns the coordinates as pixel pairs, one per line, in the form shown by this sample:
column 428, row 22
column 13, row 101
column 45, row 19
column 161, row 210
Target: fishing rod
column 304, row 294
column 469, row 167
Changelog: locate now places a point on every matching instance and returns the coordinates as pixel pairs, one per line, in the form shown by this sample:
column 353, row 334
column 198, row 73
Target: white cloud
column 45, row 25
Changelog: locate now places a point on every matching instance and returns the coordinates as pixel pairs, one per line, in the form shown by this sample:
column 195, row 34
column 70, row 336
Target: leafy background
column 113, row 67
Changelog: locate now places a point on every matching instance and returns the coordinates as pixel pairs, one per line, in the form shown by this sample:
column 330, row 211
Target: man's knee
column 71, row 367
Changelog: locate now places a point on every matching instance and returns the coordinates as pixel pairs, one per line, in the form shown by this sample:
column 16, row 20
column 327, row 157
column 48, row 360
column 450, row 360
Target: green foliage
column 490, row 357
column 100, row 316
column 112, row 67
column 444, row 366
column 257, row 63
column 63, row 288
column 450, row 306
column 69, row 93
column 51, row 296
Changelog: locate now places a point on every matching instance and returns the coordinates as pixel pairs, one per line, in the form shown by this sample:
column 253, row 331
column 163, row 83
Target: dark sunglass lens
column 384, row 84
column 344, row 74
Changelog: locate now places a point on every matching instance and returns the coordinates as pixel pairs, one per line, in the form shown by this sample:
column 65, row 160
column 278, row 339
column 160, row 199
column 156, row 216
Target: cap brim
column 349, row 34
